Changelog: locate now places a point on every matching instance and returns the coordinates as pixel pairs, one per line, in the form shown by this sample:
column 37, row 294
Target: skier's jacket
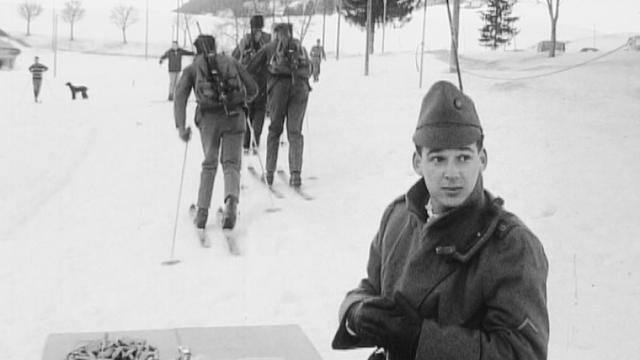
column 477, row 276
column 248, row 47
column 175, row 58
column 221, row 82
column 317, row 53
column 37, row 70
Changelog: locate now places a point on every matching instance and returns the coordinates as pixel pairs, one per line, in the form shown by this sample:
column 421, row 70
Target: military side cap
column 447, row 119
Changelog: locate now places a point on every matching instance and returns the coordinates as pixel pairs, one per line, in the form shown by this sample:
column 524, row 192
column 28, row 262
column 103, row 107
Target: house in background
column 8, row 52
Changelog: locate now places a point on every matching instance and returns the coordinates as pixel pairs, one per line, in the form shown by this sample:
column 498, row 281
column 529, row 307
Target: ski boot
column 295, row 180
column 201, row 218
column 230, row 212
column 269, row 177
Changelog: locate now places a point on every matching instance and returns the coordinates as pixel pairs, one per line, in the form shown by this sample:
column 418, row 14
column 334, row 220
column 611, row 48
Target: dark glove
column 185, row 133
column 396, row 327
column 160, row 62
column 360, row 315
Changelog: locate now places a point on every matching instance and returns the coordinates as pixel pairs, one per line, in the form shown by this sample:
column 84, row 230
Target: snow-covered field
column 89, row 191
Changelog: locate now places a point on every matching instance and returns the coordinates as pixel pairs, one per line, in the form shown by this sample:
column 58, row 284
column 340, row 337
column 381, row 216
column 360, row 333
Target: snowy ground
column 90, row 188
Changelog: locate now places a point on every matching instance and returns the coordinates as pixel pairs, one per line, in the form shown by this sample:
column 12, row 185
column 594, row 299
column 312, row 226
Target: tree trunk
column 372, row 32
column 455, row 30
column 71, row 31
column 124, row 35
column 338, row 36
column 324, row 21
column 28, row 26
column 235, row 19
column 552, row 51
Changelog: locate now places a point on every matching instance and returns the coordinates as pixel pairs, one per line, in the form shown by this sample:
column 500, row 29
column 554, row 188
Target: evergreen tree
column 398, row 12
column 499, row 25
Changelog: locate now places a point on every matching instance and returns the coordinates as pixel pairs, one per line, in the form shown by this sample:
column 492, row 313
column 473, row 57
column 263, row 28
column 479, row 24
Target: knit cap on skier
column 448, row 119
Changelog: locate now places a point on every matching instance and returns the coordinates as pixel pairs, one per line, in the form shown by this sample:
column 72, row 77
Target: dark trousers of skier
column 257, row 112
column 315, row 68
column 37, row 85
column 287, row 105
column 221, row 137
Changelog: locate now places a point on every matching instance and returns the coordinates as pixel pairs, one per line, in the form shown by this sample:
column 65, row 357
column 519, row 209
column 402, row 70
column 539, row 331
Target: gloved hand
column 185, row 133
column 160, row 62
column 395, row 325
column 360, row 315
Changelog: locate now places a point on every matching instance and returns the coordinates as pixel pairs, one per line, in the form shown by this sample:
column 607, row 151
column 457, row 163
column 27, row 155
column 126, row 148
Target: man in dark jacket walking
column 220, row 120
column 175, row 65
column 287, row 64
column 451, row 274
column 36, row 74
column 248, row 47
column 317, row 55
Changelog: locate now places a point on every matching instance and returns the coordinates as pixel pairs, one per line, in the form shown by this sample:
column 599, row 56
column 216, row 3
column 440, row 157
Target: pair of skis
column 283, row 176
column 203, row 236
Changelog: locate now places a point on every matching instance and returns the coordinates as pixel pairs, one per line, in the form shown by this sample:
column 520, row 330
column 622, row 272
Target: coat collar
column 459, row 233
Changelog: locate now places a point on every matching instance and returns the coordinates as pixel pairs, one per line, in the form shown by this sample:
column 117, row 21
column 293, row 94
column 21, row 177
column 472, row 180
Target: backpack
column 218, row 84
column 290, row 58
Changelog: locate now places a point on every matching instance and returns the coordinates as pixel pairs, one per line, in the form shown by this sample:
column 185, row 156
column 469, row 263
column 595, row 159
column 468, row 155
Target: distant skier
column 221, row 86
column 317, row 55
column 287, row 63
column 451, row 273
column 175, row 65
column 36, row 73
column 247, row 48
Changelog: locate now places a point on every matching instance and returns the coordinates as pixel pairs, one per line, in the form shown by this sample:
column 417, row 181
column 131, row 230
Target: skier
column 175, row 65
column 36, row 74
column 287, row 63
column 451, row 274
column 221, row 86
column 247, row 48
column 317, row 55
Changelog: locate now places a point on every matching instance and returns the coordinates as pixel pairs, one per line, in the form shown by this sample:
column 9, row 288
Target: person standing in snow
column 248, row 47
column 287, row 64
column 451, row 274
column 36, row 74
column 317, row 55
column 175, row 65
column 221, row 86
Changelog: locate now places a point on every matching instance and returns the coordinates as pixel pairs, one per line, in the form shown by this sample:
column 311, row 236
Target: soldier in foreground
column 451, row 274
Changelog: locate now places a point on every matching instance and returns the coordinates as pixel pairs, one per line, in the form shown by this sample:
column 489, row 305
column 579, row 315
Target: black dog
column 76, row 89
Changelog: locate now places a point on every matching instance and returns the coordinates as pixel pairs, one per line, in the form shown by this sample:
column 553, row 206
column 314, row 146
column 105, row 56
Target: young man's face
column 257, row 34
column 174, row 46
column 450, row 174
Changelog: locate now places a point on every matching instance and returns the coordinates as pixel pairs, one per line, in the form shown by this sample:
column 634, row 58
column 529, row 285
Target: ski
column 229, row 234
column 297, row 189
column 259, row 178
column 202, row 233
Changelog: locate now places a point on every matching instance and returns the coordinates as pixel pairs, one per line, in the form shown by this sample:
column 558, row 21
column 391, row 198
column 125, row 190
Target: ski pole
column 172, row 260
column 253, row 146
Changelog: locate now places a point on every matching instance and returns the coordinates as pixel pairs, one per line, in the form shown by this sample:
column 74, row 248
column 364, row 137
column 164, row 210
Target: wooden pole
column 146, row 31
column 424, row 26
column 338, row 34
column 384, row 22
column 366, row 55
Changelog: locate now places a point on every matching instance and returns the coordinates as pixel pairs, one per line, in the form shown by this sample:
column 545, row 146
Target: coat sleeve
column 183, row 90
column 258, row 61
column 165, row 55
column 249, row 83
column 187, row 52
column 516, row 324
column 369, row 287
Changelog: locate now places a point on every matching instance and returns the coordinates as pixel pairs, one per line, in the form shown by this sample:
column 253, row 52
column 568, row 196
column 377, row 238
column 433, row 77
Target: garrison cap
column 447, row 119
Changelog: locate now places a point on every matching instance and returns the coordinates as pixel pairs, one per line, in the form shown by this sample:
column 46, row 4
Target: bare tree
column 72, row 12
column 455, row 30
column 305, row 19
column 553, row 7
column 29, row 10
column 124, row 16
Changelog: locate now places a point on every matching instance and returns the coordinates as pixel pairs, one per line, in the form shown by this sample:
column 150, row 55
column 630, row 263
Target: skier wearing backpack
column 222, row 86
column 247, row 48
column 287, row 64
